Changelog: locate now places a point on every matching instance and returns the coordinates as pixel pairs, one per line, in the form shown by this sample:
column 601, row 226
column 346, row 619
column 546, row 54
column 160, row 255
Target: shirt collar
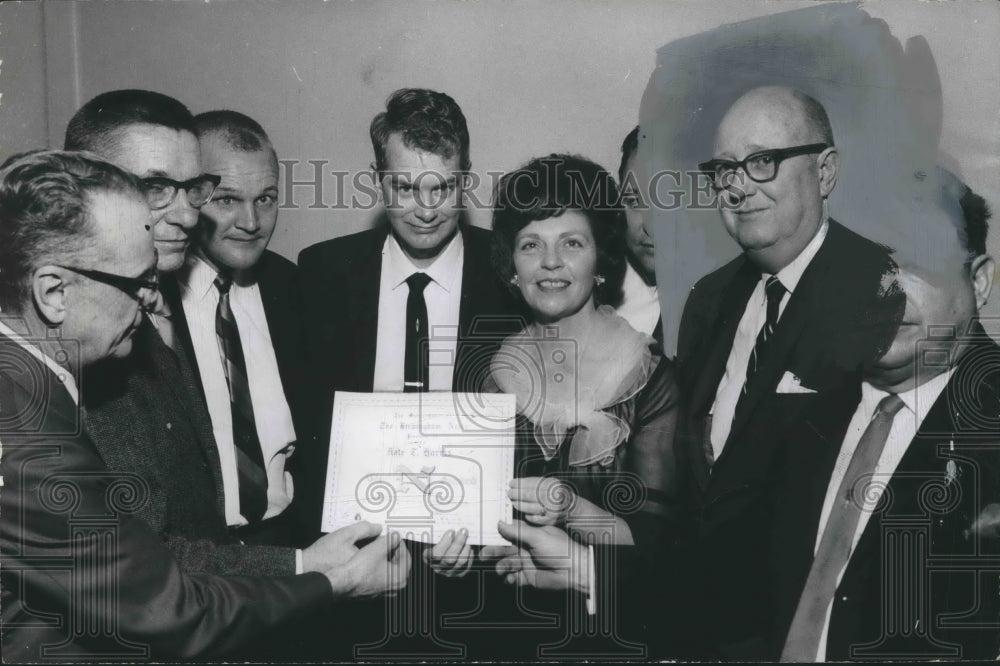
column 918, row 400
column 62, row 373
column 635, row 286
column 197, row 277
column 792, row 273
column 445, row 270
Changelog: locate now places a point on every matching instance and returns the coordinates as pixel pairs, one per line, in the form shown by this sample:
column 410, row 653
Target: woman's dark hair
column 547, row 187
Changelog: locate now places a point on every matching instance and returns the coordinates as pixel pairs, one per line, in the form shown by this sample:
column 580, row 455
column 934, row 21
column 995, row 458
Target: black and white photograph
column 379, row 331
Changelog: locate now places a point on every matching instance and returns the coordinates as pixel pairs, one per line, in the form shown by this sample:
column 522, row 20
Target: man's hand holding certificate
column 421, row 463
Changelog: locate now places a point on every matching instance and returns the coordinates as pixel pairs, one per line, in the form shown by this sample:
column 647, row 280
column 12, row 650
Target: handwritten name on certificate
column 421, row 463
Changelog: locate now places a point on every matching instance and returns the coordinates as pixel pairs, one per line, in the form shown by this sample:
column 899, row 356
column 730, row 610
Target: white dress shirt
column 200, row 299
column 641, row 306
column 443, row 297
column 754, row 316
column 916, row 403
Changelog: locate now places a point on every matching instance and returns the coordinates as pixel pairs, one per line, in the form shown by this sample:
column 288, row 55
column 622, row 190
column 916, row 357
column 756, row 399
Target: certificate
column 421, row 463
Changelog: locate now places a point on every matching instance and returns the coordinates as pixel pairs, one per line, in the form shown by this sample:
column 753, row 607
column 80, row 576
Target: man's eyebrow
column 155, row 173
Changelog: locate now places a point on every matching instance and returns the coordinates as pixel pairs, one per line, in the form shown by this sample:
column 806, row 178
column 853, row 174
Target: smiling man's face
column 772, row 221
column 422, row 197
column 237, row 224
column 157, row 151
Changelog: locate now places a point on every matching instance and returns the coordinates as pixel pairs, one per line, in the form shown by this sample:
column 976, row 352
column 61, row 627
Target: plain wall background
column 531, row 77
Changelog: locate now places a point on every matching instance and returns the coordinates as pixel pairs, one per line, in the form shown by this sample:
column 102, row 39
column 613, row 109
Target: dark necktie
column 838, row 537
column 249, row 458
column 415, row 366
column 775, row 291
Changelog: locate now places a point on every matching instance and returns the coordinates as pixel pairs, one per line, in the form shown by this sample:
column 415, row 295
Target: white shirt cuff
column 591, row 582
column 298, row 561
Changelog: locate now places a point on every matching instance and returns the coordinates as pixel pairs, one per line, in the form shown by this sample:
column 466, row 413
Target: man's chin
column 170, row 256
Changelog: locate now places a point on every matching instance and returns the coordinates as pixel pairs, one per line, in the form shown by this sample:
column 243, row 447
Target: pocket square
column 791, row 384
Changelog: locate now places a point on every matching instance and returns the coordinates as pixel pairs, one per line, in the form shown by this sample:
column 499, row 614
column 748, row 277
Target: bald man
column 773, row 331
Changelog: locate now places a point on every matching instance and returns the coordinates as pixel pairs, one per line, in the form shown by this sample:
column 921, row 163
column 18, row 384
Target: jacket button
column 844, row 598
column 169, row 425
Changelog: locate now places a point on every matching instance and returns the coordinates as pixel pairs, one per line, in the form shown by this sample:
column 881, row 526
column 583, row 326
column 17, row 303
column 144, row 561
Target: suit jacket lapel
column 182, row 334
column 364, row 296
column 776, row 359
column 711, row 361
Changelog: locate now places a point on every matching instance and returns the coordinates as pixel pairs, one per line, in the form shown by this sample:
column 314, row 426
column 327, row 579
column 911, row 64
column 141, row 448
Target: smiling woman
column 596, row 405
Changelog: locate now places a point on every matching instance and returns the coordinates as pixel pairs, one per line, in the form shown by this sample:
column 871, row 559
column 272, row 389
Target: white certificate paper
column 421, row 463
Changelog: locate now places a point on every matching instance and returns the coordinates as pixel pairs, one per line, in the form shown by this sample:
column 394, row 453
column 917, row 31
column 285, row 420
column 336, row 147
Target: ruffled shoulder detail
column 561, row 384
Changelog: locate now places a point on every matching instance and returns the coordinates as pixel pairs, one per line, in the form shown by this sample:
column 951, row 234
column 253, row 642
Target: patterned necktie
column 416, row 363
column 775, row 292
column 249, row 458
column 838, row 537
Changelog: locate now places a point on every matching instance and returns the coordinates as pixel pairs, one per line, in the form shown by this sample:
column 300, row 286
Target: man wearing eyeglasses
column 82, row 576
column 148, row 415
column 776, row 329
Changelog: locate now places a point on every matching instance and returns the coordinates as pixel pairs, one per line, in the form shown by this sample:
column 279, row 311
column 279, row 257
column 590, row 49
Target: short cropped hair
column 547, row 187
column 240, row 132
column 44, row 213
column 427, row 120
column 816, row 119
column 629, row 148
column 976, row 213
column 98, row 124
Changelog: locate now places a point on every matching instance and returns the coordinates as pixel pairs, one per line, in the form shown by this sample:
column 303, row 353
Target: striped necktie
column 249, row 458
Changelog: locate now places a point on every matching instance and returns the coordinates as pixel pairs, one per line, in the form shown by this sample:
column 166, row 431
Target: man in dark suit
column 230, row 280
column 906, row 533
column 775, row 330
column 357, row 285
column 81, row 576
column 412, row 305
column 147, row 415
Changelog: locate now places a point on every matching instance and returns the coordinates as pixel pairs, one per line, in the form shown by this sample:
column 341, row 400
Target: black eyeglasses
column 760, row 167
column 160, row 191
column 141, row 289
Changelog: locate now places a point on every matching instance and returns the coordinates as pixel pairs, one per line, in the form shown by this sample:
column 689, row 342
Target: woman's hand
column 452, row 556
column 542, row 500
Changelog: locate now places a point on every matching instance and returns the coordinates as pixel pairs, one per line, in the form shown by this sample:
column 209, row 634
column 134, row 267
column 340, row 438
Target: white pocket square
column 791, row 384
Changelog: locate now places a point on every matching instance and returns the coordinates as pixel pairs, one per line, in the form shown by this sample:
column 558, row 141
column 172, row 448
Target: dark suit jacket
column 340, row 284
column 81, row 575
column 920, row 584
column 278, row 280
column 146, row 415
column 822, row 339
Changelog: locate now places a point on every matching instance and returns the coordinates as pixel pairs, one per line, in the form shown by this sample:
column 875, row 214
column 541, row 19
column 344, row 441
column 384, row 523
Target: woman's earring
column 516, row 281
column 599, row 280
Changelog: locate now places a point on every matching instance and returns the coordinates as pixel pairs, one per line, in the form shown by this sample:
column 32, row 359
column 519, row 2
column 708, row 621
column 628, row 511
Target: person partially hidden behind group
column 597, row 408
column 640, row 305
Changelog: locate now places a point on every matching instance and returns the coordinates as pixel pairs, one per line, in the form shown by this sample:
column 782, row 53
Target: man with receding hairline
column 770, row 332
column 230, row 278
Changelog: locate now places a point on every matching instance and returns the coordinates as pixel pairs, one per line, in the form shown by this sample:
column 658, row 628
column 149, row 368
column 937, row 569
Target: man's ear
column 982, row 270
column 48, row 290
column 829, row 166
